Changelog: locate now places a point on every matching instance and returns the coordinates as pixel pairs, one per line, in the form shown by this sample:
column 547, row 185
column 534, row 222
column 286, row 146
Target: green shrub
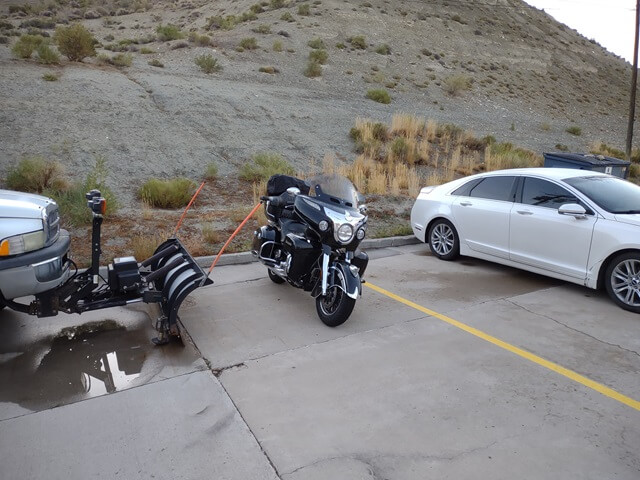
column 264, row 29
column 287, row 17
column 562, row 147
column 207, row 63
column 26, row 45
column 604, row 149
column 304, row 9
column 634, row 170
column 358, row 42
column 35, row 174
column 156, row 63
column 122, row 60
column 47, row 55
column 277, row 46
column 383, row 49
column 275, row 4
column 456, row 84
column 172, row 193
column 316, row 43
column 256, row 8
column 574, row 130
column 320, row 56
column 270, row 70
column 50, row 77
column 313, row 69
column 219, row 22
column 211, row 172
column 72, row 202
column 201, row 40
column 379, row 95
column 75, row 42
column 399, row 148
column 340, row 46
column 168, row 32
column 145, row 51
column 263, row 166
column 249, row 43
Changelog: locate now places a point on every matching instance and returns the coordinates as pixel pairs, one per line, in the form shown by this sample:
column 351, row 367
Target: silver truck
column 33, row 248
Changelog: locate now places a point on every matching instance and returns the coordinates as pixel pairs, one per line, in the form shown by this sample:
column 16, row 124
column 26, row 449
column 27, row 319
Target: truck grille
column 53, row 223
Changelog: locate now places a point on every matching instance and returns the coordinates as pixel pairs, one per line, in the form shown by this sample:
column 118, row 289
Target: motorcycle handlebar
column 275, row 201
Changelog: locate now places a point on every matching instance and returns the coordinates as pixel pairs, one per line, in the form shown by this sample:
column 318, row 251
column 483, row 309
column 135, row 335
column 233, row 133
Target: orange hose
column 187, row 209
column 232, row 236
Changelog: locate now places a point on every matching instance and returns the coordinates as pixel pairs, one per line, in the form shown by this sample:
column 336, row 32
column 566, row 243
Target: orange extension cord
column 187, row 209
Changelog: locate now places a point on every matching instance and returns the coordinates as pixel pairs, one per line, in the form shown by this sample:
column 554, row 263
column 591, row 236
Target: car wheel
column 622, row 281
column 443, row 240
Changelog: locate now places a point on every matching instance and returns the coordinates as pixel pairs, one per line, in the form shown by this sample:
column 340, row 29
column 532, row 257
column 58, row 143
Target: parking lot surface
column 263, row 389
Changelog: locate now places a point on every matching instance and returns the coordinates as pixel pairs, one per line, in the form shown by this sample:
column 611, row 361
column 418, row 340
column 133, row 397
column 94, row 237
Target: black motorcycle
column 314, row 230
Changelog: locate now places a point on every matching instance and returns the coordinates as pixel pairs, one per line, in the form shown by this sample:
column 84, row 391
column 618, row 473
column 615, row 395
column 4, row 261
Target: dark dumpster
column 588, row 161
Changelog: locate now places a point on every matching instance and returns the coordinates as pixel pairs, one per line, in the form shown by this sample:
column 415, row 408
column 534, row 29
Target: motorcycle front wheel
column 335, row 307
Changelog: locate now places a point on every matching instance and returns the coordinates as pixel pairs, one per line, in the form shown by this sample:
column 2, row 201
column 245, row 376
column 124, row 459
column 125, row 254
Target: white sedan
column 575, row 225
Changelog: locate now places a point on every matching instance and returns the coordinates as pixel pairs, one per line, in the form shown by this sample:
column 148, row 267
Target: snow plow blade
column 174, row 274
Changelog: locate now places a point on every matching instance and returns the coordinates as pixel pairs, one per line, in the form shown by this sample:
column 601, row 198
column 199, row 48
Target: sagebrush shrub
column 316, row 43
column 47, row 55
column 313, row 69
column 358, row 42
column 379, row 95
column 574, row 130
column 456, row 84
column 173, row 193
column 35, row 174
column 304, row 9
column 249, row 43
column 75, row 42
column 263, row 166
column 168, row 32
column 26, row 45
column 320, row 56
column 207, row 63
column 383, row 49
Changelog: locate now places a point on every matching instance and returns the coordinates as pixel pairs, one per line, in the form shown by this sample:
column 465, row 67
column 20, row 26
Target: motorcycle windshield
column 332, row 188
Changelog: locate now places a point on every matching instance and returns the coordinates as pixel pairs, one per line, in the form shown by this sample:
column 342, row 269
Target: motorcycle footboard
column 174, row 273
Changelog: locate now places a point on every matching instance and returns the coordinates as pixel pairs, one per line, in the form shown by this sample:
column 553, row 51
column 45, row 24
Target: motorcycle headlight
column 22, row 243
column 345, row 233
column 360, row 234
column 323, row 225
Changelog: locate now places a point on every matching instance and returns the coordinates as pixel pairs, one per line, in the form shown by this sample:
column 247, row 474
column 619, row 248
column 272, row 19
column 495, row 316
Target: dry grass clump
column 173, row 193
column 456, row 84
column 35, row 174
column 601, row 148
column 392, row 157
column 144, row 246
column 263, row 165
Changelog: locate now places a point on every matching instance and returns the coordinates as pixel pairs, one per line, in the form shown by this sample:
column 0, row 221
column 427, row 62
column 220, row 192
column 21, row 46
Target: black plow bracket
column 174, row 274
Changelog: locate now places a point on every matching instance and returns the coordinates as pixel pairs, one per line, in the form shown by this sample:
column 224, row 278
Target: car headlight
column 22, row 243
column 345, row 233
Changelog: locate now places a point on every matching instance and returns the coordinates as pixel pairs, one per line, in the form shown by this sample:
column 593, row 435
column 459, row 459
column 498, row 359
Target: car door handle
column 466, row 204
column 524, row 212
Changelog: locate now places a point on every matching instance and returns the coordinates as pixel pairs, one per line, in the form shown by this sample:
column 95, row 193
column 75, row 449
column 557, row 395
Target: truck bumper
column 35, row 272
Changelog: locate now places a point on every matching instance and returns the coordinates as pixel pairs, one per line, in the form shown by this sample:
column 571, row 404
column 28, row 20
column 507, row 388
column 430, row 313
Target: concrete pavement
column 267, row 391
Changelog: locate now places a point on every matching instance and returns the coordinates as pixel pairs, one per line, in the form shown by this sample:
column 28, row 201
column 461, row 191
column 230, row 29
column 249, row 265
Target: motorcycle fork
column 326, row 256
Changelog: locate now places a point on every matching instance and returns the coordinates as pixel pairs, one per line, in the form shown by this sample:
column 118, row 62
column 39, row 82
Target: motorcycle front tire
column 275, row 278
column 334, row 310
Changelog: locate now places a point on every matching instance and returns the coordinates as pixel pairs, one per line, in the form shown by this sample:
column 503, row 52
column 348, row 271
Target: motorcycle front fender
column 353, row 285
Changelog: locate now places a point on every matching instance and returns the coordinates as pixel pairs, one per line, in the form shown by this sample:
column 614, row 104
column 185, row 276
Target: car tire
column 622, row 281
column 443, row 239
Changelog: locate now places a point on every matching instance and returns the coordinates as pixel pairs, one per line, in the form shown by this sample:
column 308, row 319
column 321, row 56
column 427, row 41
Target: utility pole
column 634, row 81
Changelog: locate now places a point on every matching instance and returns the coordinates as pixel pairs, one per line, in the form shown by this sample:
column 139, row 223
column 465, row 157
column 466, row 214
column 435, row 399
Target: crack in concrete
column 571, row 328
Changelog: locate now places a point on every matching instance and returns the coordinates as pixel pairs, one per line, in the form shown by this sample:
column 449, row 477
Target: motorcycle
column 311, row 240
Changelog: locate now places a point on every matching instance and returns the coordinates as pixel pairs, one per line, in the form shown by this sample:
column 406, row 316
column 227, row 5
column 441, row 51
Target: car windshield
column 613, row 194
column 334, row 189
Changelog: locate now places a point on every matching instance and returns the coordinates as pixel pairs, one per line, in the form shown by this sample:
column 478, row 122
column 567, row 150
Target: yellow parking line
column 576, row 377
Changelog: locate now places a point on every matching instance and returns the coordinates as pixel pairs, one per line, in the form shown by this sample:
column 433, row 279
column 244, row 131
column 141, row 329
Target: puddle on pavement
column 80, row 362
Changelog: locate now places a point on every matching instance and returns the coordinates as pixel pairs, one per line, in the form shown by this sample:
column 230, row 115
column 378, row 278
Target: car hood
column 22, row 205
column 633, row 219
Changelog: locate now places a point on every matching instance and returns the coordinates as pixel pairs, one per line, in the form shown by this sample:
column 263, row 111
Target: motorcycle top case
column 278, row 184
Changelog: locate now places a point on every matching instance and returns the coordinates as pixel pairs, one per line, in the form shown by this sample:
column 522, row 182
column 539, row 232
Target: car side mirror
column 573, row 210
column 293, row 191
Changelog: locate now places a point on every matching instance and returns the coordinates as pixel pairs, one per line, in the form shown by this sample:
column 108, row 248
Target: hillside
column 528, row 79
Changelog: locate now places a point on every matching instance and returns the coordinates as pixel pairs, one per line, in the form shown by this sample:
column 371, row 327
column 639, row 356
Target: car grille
column 53, row 223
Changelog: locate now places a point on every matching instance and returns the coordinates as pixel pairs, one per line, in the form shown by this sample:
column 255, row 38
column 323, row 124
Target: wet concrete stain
column 81, row 362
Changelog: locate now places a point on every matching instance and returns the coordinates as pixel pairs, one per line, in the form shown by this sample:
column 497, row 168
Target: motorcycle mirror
column 293, row 190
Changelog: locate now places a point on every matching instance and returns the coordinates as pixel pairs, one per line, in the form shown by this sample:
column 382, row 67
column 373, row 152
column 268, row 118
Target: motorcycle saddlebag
column 278, row 184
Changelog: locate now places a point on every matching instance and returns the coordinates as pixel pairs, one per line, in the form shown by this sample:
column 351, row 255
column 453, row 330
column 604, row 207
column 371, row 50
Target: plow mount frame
column 166, row 278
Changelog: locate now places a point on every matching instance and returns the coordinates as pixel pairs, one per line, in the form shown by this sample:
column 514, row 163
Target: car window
column 494, row 188
column 542, row 193
column 466, row 188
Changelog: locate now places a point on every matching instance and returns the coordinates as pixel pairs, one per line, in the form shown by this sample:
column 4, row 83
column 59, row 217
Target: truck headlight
column 22, row 243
